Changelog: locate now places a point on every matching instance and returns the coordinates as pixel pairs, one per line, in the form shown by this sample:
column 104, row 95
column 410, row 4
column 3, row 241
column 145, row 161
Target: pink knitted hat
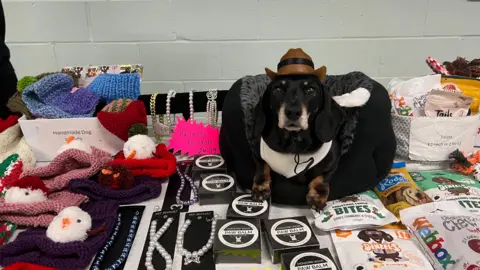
column 68, row 165
column 39, row 213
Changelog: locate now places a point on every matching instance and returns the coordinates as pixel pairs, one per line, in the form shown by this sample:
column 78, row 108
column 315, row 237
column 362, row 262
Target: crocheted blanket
column 253, row 87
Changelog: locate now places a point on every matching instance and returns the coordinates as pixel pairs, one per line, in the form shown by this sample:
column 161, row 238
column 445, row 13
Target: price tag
column 194, row 138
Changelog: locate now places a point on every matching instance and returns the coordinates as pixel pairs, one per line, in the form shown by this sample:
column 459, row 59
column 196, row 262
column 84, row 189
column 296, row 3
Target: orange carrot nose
column 132, row 154
column 70, row 139
column 65, row 222
column 106, row 172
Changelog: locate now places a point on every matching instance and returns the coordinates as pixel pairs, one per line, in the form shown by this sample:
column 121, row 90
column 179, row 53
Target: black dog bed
column 367, row 138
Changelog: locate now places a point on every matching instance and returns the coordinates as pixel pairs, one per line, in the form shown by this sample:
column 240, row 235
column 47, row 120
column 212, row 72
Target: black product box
column 208, row 164
column 215, row 188
column 238, row 241
column 241, row 206
column 289, row 235
column 318, row 259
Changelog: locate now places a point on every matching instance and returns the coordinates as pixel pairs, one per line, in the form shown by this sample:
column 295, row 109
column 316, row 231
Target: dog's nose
column 293, row 113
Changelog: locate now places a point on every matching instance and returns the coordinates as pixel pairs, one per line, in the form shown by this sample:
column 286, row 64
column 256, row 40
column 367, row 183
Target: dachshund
column 379, row 237
column 297, row 116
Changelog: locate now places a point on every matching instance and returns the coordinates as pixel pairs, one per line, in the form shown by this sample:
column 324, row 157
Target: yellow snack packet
column 467, row 86
column 398, row 190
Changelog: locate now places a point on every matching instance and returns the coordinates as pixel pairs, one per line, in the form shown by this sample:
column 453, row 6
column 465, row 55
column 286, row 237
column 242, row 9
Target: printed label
column 218, row 182
column 243, row 205
column 208, row 162
column 391, row 181
column 312, row 261
column 290, row 232
column 238, row 234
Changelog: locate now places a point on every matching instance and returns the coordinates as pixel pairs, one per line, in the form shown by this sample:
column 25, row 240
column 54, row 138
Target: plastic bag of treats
column 398, row 191
column 450, row 186
column 362, row 210
column 378, row 248
column 449, row 234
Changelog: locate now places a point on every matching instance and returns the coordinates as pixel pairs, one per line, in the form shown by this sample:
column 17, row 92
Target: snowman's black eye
column 78, row 221
column 27, row 193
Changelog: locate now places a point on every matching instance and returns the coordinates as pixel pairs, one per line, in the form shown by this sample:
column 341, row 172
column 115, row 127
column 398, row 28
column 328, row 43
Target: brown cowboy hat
column 297, row 62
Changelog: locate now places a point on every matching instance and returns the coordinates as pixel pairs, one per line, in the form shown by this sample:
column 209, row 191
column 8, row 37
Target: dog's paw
column 260, row 192
column 316, row 201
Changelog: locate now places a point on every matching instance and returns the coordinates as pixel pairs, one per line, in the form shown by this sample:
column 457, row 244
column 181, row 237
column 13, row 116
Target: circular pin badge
column 208, row 162
column 238, row 234
column 243, row 205
column 218, row 182
column 290, row 232
column 312, row 260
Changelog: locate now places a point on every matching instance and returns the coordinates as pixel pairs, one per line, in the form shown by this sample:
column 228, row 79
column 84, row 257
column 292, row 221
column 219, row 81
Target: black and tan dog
column 297, row 123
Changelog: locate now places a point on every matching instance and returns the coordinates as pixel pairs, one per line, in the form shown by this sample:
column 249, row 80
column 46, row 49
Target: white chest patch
column 284, row 163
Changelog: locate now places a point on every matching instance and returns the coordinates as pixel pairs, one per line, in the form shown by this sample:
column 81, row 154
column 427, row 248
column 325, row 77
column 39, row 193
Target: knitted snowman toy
column 71, row 224
column 139, row 147
column 29, row 189
column 72, row 143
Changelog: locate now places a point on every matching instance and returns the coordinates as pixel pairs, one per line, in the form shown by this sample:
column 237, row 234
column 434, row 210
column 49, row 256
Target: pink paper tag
column 194, row 138
column 74, row 89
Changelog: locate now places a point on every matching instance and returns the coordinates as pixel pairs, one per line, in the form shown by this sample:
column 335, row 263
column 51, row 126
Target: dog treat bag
column 375, row 248
column 398, row 191
column 449, row 234
column 449, row 186
column 353, row 212
column 447, row 104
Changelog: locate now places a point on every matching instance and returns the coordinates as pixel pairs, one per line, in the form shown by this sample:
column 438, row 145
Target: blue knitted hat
column 116, row 86
column 52, row 97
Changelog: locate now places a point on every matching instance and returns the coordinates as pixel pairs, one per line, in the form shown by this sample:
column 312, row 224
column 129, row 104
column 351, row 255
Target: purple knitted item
column 52, row 97
column 145, row 188
column 33, row 246
column 68, row 165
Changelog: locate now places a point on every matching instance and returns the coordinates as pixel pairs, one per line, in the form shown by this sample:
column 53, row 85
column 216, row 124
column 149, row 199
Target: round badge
column 218, row 182
column 312, row 260
column 209, row 162
column 243, row 205
column 290, row 232
column 238, row 234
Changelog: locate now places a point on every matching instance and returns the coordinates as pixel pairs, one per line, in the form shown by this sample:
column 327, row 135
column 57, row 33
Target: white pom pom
column 139, row 147
column 71, row 224
column 76, row 144
column 24, row 195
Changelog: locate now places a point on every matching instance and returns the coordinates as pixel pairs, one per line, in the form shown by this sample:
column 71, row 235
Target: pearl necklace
column 194, row 188
column 126, row 248
column 194, row 256
column 171, row 94
column 190, row 104
column 212, row 113
column 153, row 244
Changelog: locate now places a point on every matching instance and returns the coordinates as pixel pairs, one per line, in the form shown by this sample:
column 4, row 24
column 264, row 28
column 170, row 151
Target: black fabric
column 8, row 80
column 362, row 167
column 295, row 61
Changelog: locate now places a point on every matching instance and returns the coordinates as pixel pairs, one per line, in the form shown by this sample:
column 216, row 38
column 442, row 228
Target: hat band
column 295, row 61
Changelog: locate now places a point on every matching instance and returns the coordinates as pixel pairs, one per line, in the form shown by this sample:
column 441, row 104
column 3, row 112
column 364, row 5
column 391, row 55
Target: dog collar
column 284, row 164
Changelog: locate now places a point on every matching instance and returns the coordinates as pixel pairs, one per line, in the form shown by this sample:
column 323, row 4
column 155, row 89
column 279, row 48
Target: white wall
column 203, row 44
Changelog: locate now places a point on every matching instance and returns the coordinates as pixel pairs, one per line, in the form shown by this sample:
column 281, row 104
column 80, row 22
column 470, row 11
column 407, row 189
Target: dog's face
column 301, row 104
column 294, row 99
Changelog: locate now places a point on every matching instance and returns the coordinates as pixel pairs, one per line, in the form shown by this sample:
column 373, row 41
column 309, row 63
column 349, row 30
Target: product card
column 167, row 240
column 242, row 206
column 215, row 188
column 238, row 241
column 170, row 201
column 119, row 244
column 289, row 235
column 316, row 259
column 196, row 237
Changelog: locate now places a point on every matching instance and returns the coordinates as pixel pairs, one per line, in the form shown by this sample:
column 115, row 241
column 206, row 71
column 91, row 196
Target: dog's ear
column 362, row 235
column 387, row 237
column 328, row 120
column 259, row 118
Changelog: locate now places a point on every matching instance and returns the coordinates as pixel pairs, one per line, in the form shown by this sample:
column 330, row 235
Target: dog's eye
column 278, row 90
column 310, row 92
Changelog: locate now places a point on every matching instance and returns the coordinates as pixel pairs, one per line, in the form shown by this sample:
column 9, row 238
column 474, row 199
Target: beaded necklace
column 126, row 248
column 194, row 188
column 194, row 257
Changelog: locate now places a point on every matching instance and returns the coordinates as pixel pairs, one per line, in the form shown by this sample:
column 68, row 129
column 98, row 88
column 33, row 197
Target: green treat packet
column 450, row 186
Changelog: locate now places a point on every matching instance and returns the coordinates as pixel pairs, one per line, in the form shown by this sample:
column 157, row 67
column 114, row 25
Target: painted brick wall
column 202, row 44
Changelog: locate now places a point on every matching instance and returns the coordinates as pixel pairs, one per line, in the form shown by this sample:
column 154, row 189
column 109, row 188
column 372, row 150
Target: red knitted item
column 32, row 182
column 12, row 175
column 119, row 123
column 10, row 121
column 161, row 166
column 27, row 266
